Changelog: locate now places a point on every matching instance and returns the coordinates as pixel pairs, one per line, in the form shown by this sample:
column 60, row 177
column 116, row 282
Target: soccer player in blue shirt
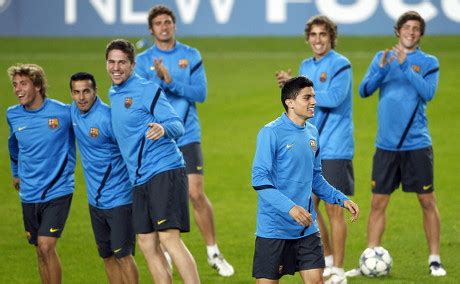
column 179, row 70
column 332, row 76
column 146, row 127
column 107, row 183
column 42, row 156
column 286, row 172
column 407, row 79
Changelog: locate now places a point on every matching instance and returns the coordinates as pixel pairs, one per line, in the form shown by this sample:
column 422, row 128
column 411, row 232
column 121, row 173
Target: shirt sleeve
column 196, row 89
column 262, row 168
column 426, row 83
column 14, row 151
column 374, row 77
column 141, row 68
column 338, row 89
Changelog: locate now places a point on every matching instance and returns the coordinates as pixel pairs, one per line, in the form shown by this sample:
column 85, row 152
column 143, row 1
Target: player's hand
column 383, row 60
column 158, row 65
column 16, row 183
column 155, row 132
column 282, row 76
column 353, row 208
column 399, row 53
column 301, row 216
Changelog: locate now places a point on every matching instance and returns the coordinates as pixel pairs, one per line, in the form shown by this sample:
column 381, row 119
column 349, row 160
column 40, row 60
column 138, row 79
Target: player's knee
column 145, row 242
column 427, row 202
column 196, row 196
column 45, row 248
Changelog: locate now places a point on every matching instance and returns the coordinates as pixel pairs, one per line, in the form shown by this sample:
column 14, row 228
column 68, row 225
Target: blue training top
column 106, row 176
column 188, row 85
column 136, row 103
column 405, row 90
column 42, row 150
column 332, row 79
column 285, row 172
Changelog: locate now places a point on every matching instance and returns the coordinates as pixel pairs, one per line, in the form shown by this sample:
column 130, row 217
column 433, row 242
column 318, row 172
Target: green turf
column 243, row 96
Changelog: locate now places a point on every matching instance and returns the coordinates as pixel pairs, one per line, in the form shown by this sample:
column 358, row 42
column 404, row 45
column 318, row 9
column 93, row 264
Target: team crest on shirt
column 128, row 102
column 183, row 63
column 94, row 132
column 323, row 77
column 313, row 145
column 53, row 123
column 416, row 68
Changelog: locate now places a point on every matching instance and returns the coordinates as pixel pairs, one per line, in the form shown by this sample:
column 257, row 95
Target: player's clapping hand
column 399, row 53
column 282, row 76
column 383, row 59
column 155, row 132
column 353, row 208
column 301, row 216
column 162, row 71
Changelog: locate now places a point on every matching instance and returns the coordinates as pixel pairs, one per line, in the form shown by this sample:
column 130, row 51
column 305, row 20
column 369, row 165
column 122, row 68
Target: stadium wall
column 218, row 17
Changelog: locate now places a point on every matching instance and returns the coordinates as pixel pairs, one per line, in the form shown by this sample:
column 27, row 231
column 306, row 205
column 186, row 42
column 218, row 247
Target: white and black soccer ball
column 375, row 262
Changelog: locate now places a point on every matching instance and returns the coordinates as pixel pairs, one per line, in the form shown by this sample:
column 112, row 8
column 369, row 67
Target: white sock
column 329, row 260
column 212, row 250
column 434, row 257
column 337, row 270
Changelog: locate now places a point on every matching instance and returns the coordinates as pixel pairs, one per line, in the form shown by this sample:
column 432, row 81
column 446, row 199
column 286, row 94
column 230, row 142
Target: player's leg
column 156, row 262
column 42, row 268
column 418, row 177
column 48, row 254
column 202, row 207
column 123, row 240
column 266, row 281
column 386, row 177
column 147, row 239
column 310, row 259
column 180, row 255
column 113, row 270
column 54, row 215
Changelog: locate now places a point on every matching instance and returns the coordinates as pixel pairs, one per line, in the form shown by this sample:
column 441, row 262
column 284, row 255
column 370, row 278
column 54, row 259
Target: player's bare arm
column 353, row 208
column 155, row 132
column 282, row 76
column 301, row 216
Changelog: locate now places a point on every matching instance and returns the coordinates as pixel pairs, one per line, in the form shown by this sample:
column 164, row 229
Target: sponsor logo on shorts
column 323, row 77
column 289, row 146
column 54, row 230
column 427, row 187
column 128, row 102
column 313, row 145
column 199, row 168
column 159, row 222
column 117, row 250
column 53, row 123
column 183, row 63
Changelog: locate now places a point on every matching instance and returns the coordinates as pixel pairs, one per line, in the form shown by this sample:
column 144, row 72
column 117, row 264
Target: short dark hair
column 408, row 16
column 292, row 88
column 157, row 10
column 121, row 44
column 83, row 76
column 34, row 72
column 320, row 20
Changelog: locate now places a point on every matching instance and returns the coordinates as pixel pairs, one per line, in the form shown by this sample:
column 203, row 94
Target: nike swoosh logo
column 117, row 250
column 426, row 187
column 289, row 146
column 199, row 168
column 159, row 222
column 54, row 230
column 22, row 128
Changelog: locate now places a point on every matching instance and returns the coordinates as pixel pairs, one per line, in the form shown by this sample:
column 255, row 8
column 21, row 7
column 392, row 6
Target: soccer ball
column 375, row 262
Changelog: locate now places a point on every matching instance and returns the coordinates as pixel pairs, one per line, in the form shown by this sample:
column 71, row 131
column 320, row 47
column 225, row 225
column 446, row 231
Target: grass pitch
column 243, row 96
